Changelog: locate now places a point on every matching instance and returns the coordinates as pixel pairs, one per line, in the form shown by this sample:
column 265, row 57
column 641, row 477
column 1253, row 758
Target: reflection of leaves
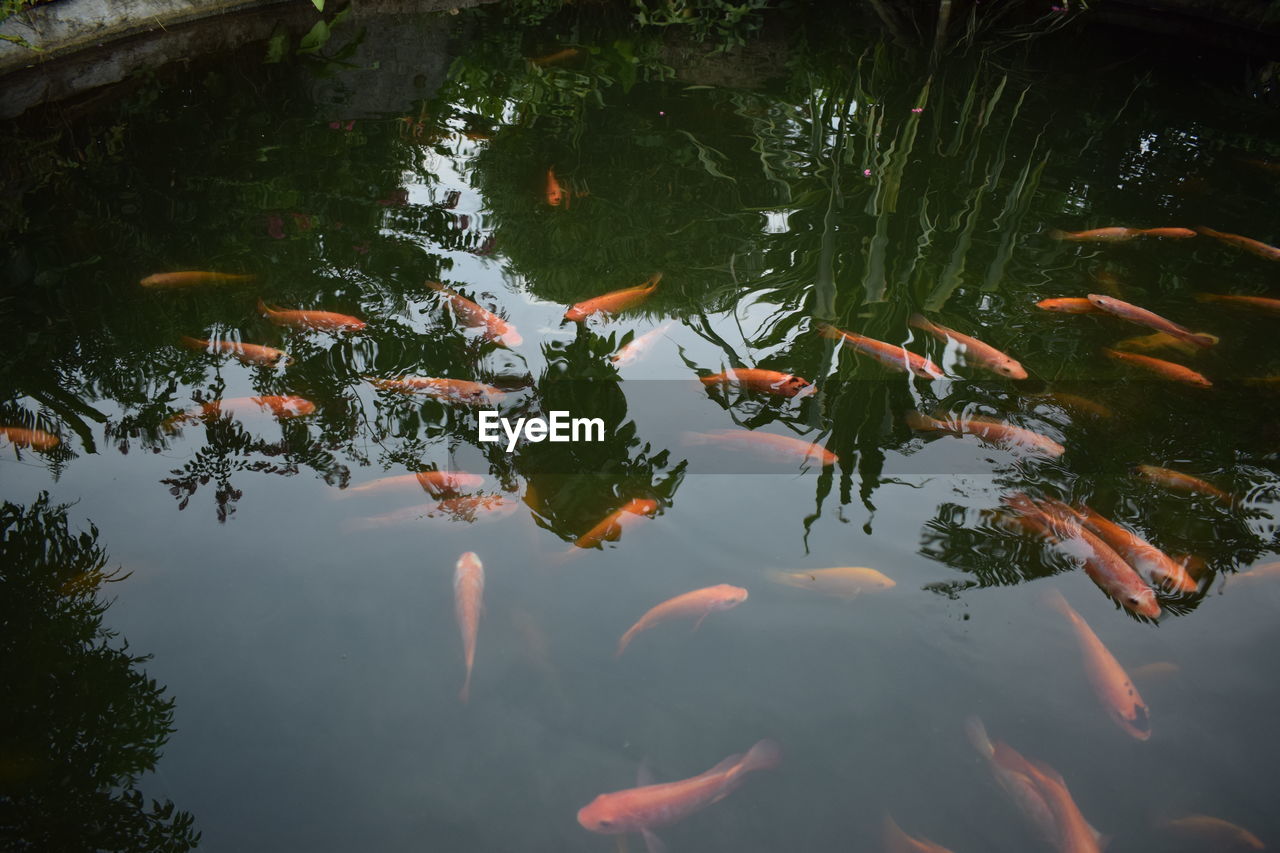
column 83, row 723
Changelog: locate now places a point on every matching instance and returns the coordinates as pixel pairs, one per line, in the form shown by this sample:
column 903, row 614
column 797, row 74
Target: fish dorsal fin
column 652, row 843
column 644, row 774
column 1048, row 771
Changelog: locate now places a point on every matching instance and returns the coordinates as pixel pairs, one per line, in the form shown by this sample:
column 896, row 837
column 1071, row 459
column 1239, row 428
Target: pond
column 790, row 535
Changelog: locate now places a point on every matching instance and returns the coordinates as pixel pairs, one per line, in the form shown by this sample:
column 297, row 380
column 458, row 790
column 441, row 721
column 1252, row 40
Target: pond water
column 298, row 603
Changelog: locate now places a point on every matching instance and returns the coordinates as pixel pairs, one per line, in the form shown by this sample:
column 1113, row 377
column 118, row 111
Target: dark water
column 308, row 641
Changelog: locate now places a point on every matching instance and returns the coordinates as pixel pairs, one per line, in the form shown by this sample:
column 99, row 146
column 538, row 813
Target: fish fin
column 465, row 693
column 828, row 331
column 923, row 423
column 644, row 774
column 194, row 343
column 1104, row 841
column 436, row 286
column 698, row 624
column 1049, row 772
column 977, row 734
column 920, row 322
column 765, row 755
column 1056, row 234
column 1203, row 339
column 653, row 281
column 724, row 766
column 652, row 843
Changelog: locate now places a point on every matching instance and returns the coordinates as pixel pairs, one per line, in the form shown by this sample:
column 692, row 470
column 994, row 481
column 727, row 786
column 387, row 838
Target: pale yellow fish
column 843, row 581
column 1159, row 341
column 1264, row 571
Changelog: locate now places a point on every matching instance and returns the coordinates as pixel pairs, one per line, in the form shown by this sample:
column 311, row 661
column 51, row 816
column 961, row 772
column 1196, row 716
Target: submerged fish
column 1146, row 558
column 611, row 526
column 638, row 346
column 245, row 353
column 699, row 603
column 283, row 406
column 36, row 439
column 615, row 301
column 647, row 807
column 842, row 581
column 897, row 841
column 1068, row 305
column 468, row 597
column 1111, row 684
column 1256, row 247
column 976, row 352
column 765, row 381
column 1114, row 234
column 553, row 193
column 1181, row 482
column 187, row 278
column 994, row 432
column 1078, row 404
column 558, row 56
column 896, row 357
column 780, row 447
column 1160, row 367
column 328, row 320
column 1266, row 570
column 1143, row 317
column 1220, row 834
column 1168, row 233
column 435, row 483
column 1158, row 341
column 446, row 390
column 472, row 315
column 1261, row 303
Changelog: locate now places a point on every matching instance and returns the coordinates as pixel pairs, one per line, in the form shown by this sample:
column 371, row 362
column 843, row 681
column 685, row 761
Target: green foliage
column 728, row 24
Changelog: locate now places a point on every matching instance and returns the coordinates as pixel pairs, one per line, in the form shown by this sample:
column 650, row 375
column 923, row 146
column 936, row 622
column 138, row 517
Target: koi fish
column 994, row 432
column 468, row 596
column 611, row 527
column 895, row 357
column 1110, row 682
column 1078, row 404
column 472, row 315
column 446, row 390
column 1168, row 233
column 1258, row 248
column 435, row 483
column 897, row 841
column 843, row 581
column 327, row 320
column 1216, row 832
column 765, row 381
column 644, row 808
column 1068, row 305
column 1262, row 303
column 36, row 439
column 245, row 353
column 1178, row 481
column 187, row 278
column 1101, row 563
column 1160, row 367
column 470, row 507
column 780, row 447
column 1114, row 234
column 1139, row 553
column 1266, row 570
column 699, row 603
column 1039, row 791
column 1143, row 317
column 554, row 193
column 634, row 350
column 558, row 56
column 612, row 303
column 981, row 354
column 280, row 406
column 1158, row 341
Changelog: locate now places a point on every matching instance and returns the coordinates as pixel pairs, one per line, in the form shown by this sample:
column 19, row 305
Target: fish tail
column 464, row 695
column 436, row 286
column 263, row 309
column 1203, row 339
column 977, row 734
column 193, row 343
column 924, row 423
column 765, row 755
column 653, row 280
column 919, row 321
column 626, row 640
column 828, row 331
column 1057, row 234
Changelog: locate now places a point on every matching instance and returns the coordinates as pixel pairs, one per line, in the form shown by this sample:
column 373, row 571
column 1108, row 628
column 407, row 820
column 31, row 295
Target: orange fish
column 780, row 447
column 1171, row 233
column 436, row 483
column 470, row 507
column 1159, row 340
column 980, row 354
column 554, row 192
column 1171, row 479
column 611, row 527
column 1096, row 235
column 634, row 350
column 612, row 303
column 1266, row 570
column 1160, row 367
column 1110, row 682
column 446, row 390
column 472, row 315
column 897, row 841
column 1139, row 553
column 1068, row 305
column 327, row 320
column 649, row 806
column 468, row 599
column 245, row 353
column 699, row 603
column 991, row 431
column 1262, row 303
column 1260, row 249
column 187, row 278
column 558, row 56
column 842, row 581
column 1143, row 317
column 1078, row 404
column 280, row 406
column 1215, row 832
column 896, row 357
column 34, row 438
column 1101, row 563
column 765, row 381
